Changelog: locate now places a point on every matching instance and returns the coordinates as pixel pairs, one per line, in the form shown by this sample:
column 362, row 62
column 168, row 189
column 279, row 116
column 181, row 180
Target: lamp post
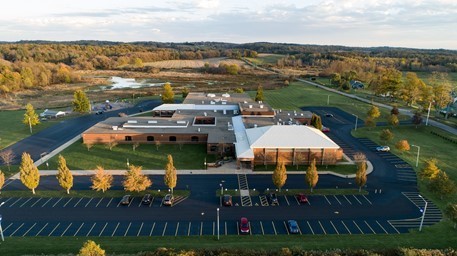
column 356, row 119
column 30, row 125
column 418, row 152
column 423, row 212
column 217, row 224
column 1, row 229
column 328, row 99
column 428, row 113
column 128, row 164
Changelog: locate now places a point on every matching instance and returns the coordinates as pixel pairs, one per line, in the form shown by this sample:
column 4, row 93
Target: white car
column 383, row 149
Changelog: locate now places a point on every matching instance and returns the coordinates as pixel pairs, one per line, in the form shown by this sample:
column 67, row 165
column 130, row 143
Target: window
column 194, row 138
column 213, row 148
column 150, row 138
column 172, row 138
column 128, row 138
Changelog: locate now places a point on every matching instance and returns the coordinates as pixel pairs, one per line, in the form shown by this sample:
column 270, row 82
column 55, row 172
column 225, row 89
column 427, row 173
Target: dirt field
column 178, row 64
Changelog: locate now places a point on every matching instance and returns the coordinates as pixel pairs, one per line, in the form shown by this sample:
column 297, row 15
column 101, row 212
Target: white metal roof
column 242, row 147
column 288, row 136
column 208, row 107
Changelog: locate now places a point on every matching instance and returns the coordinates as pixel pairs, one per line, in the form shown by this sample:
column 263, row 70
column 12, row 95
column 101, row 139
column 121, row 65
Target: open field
column 266, row 59
column 177, row 64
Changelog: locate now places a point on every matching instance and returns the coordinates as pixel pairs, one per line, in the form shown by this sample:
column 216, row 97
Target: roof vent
column 211, row 95
column 261, row 106
column 203, row 102
column 152, row 122
column 198, row 129
column 115, row 128
column 215, row 111
column 255, row 125
column 250, row 106
column 205, row 114
column 226, row 95
column 225, row 112
column 132, row 121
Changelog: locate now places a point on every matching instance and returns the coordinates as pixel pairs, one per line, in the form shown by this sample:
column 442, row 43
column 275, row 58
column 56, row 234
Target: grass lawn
column 190, row 157
column 341, row 169
column 264, row 59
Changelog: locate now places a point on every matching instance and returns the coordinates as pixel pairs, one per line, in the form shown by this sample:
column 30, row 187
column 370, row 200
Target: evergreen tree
column 101, row 180
column 90, row 248
column 168, row 96
column 30, row 117
column 81, row 103
column 134, row 180
column 259, row 95
column 170, row 177
column 64, row 175
column 29, row 173
column 430, row 170
column 279, row 175
column 312, row 176
column 361, row 174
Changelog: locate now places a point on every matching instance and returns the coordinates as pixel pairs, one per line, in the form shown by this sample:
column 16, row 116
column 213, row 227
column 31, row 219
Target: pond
column 131, row 83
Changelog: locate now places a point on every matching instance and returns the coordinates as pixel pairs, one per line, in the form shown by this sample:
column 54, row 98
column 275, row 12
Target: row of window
column 171, row 138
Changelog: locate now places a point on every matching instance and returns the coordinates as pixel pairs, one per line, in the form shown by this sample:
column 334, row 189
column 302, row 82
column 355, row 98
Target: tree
column 430, row 170
column 64, row 175
column 88, row 145
column 238, row 90
column 170, row 177
column 412, row 88
column 395, row 110
column 101, row 180
column 185, row 91
column 168, row 96
column 111, row 144
column 451, row 213
column 2, row 180
column 386, row 135
column 158, row 144
column 279, row 175
column 81, row 103
column 7, row 157
column 402, row 145
column 312, row 176
column 361, row 175
column 29, row 173
column 30, row 117
column 316, row 121
column 442, row 185
column 138, row 63
column 393, row 120
column 90, row 248
column 387, row 82
column 134, row 180
column 441, row 89
column 259, row 95
column 417, row 118
column 373, row 112
column 359, row 157
column 370, row 123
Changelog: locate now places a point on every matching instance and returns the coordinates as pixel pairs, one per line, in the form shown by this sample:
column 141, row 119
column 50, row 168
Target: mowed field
column 266, row 58
column 177, row 64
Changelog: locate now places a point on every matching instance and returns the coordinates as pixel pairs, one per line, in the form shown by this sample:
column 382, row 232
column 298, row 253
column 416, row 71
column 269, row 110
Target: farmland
column 179, row 64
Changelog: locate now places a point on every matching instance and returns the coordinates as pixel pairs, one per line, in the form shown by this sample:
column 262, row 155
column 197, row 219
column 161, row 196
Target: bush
column 386, row 135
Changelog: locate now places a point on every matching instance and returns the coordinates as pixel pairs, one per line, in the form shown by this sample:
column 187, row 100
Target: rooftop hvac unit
column 211, row 95
column 261, row 106
column 152, row 122
column 226, row 95
column 198, row 129
column 250, row 106
column 212, row 103
column 180, row 122
column 115, row 128
column 205, row 114
column 132, row 121
column 255, row 125
column 225, row 112
column 215, row 111
column 224, row 102
column 235, row 112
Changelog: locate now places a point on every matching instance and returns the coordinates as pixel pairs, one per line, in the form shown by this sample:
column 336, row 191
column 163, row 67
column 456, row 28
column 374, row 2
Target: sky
column 426, row 24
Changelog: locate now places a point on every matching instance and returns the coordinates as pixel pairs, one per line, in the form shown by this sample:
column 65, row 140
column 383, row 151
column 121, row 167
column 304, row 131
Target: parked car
column 168, row 200
column 329, row 115
column 292, row 225
column 244, row 226
column 383, row 149
column 126, row 200
column 325, row 129
column 147, row 199
column 273, row 199
column 227, row 200
column 303, row 199
column 99, row 112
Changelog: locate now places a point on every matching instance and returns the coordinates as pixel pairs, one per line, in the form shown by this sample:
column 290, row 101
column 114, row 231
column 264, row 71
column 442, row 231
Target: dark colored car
column 99, row 112
column 273, row 199
column 244, row 226
column 146, row 199
column 227, row 200
column 292, row 225
column 329, row 115
column 302, row 198
column 168, row 200
column 126, row 200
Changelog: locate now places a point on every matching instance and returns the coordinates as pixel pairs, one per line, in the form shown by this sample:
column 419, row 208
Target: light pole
column 423, row 212
column 30, row 125
column 1, row 229
column 217, row 224
column 328, row 99
column 418, row 152
column 128, row 164
column 356, row 119
column 428, row 113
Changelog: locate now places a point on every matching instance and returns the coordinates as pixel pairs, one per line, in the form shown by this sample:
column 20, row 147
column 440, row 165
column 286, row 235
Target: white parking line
column 56, row 202
column 66, row 229
column 17, row 200
column 164, row 228
column 201, row 228
column 71, row 198
column 334, row 228
column 188, row 229
column 25, row 202
column 17, row 229
column 346, row 227
column 261, row 227
column 322, row 227
column 369, row 227
column 39, row 232
column 74, row 206
column 29, row 229
column 285, row 225
column 238, row 228
column 90, row 230
column 347, row 200
column 77, row 231
column 7, row 227
column 139, row 231
column 327, row 200
column 357, row 199
column 225, row 227
column 285, row 197
column 274, row 228
column 382, row 227
column 115, row 229
column 39, row 199
column 214, row 228
column 88, row 202
column 152, row 229
column 58, row 224
column 152, row 202
column 367, row 199
column 398, row 232
column 109, row 202
column 101, row 199
column 312, row 231
column 103, row 229
column 177, row 227
column 297, row 200
column 127, row 230
column 337, row 199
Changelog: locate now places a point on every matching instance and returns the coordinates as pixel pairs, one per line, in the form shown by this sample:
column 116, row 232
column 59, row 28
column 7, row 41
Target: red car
column 244, row 226
column 302, row 198
column 325, row 129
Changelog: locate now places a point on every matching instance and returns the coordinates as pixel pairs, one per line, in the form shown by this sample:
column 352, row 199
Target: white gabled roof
column 289, row 136
column 243, row 150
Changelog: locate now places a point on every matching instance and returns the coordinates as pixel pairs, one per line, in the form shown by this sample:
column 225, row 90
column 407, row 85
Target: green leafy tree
column 168, row 96
column 451, row 213
column 2, row 180
column 64, row 175
column 30, row 117
column 361, row 174
column 386, row 135
column 171, row 176
column 238, row 90
column 312, row 176
column 316, row 121
column 373, row 112
column 279, row 175
column 393, row 120
column 412, row 88
column 101, row 180
column 259, row 95
column 81, row 103
column 430, row 170
column 387, row 82
column 185, row 91
column 29, row 173
column 403, row 145
column 90, row 248
column 442, row 89
column 134, row 180
column 442, row 185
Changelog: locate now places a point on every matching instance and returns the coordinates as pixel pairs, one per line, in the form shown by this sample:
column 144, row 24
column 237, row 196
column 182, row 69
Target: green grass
column 441, row 235
column 87, row 193
column 341, row 169
column 190, row 157
column 270, row 59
